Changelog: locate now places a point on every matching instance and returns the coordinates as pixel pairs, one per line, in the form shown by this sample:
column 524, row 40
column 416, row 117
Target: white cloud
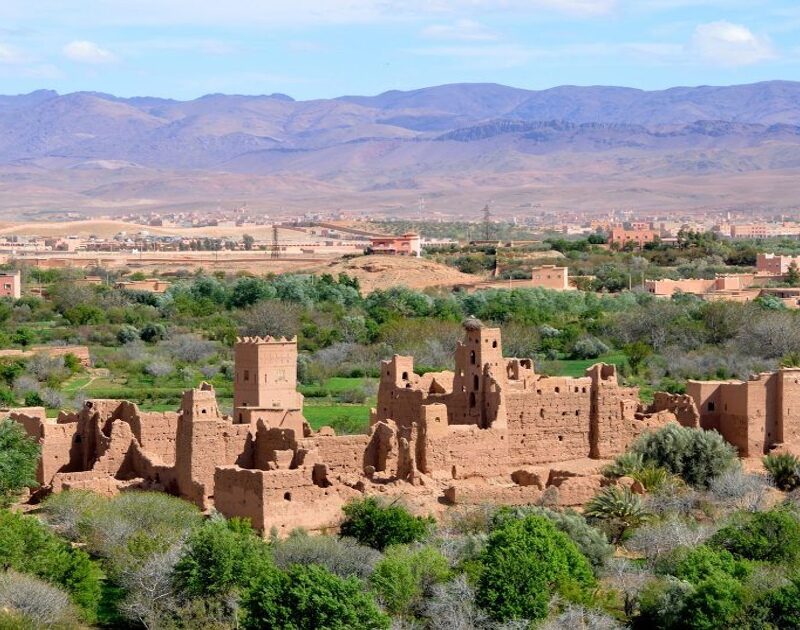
column 726, row 44
column 84, row 51
column 12, row 55
column 466, row 30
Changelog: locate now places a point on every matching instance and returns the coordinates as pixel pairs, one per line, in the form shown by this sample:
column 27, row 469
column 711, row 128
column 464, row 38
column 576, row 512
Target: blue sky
column 324, row 48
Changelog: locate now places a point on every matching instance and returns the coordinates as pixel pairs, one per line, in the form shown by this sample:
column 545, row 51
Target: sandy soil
column 387, row 271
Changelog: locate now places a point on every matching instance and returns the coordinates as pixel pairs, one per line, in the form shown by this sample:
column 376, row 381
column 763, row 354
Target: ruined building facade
column 755, row 415
column 492, row 430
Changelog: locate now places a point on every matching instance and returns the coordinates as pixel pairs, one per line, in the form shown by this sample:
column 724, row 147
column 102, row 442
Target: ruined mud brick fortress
column 492, row 431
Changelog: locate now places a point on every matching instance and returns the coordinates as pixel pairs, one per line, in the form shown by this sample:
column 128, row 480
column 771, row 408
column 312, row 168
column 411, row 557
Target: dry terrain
column 566, row 148
column 381, row 272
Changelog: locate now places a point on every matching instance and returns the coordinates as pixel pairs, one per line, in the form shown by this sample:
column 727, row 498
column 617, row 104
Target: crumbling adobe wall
column 613, row 409
column 466, row 451
column 156, row 432
column 789, row 404
column 549, row 423
column 59, row 451
column 342, row 454
column 682, row 406
column 202, row 446
column 279, row 499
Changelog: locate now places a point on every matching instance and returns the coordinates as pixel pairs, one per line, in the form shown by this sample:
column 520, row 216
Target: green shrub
column 33, row 399
column 27, row 546
column 152, row 332
column 783, row 605
column 524, row 563
column 617, row 510
column 127, row 334
column 784, row 469
column 130, row 528
column 220, row 556
column 701, row 562
column 405, row 575
column 591, row 542
column 378, row 526
column 341, row 556
column 19, row 459
column 716, row 601
column 695, row 455
column 308, row 598
column 772, row 536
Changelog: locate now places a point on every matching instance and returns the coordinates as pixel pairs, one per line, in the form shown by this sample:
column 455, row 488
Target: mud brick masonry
column 492, row 431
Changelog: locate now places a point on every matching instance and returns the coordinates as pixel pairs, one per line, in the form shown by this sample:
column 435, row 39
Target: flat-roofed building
column 408, row 244
column 11, row 285
column 621, row 236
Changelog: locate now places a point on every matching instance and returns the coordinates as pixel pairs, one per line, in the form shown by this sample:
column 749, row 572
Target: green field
column 577, row 367
column 342, row 418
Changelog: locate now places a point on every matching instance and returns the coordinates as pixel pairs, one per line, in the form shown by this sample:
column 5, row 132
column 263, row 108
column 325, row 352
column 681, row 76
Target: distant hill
column 102, row 150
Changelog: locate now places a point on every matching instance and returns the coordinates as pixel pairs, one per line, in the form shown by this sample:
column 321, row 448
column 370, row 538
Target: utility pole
column 275, row 247
column 487, row 222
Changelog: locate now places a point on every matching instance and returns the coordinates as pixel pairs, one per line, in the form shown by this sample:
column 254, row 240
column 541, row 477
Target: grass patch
column 74, row 383
column 577, row 367
column 344, row 419
column 332, row 386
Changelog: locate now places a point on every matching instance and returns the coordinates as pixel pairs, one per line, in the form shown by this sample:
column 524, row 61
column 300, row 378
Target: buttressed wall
column 492, row 430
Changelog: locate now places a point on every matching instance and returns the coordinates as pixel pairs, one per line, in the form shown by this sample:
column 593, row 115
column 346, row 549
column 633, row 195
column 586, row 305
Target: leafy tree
column 27, row 546
column 309, row 598
column 85, row 314
column 523, row 564
column 247, row 241
column 19, row 459
column 405, row 575
column 695, row 455
column 772, row 536
column 23, row 336
column 784, row 468
column 153, row 332
column 591, row 542
column 636, row 352
column 716, row 602
column 793, row 275
column 247, row 291
column 127, row 334
column 783, row 605
column 220, row 557
column 701, row 562
column 378, row 526
column 588, row 348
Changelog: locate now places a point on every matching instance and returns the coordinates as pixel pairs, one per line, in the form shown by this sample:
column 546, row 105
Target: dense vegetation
column 148, row 348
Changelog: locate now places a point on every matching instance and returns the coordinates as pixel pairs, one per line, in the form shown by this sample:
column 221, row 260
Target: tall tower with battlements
column 265, row 376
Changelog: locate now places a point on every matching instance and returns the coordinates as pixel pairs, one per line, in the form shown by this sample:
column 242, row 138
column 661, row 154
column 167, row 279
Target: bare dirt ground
column 102, row 228
column 374, row 272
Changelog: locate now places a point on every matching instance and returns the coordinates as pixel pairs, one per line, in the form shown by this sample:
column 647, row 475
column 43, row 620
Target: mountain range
column 459, row 145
